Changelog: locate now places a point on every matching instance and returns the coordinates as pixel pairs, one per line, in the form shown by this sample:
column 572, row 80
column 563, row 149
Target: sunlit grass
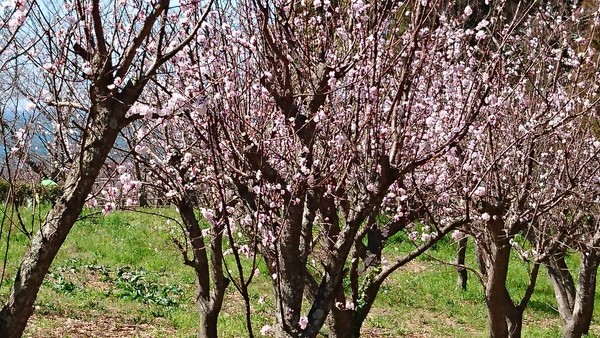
column 421, row 299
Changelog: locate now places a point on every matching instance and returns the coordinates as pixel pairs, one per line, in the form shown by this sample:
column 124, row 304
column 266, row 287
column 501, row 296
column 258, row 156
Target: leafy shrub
column 133, row 285
column 59, row 283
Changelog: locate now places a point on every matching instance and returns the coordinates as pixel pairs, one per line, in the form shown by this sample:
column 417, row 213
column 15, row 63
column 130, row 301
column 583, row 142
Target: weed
column 133, row 285
column 59, row 283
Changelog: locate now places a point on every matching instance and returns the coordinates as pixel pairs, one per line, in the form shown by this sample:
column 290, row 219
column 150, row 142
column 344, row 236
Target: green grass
column 121, row 275
column 430, row 288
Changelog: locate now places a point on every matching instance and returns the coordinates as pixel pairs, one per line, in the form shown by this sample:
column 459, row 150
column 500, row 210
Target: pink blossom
column 457, row 235
column 87, row 69
column 108, row 208
column 17, row 20
column 122, row 169
column 303, row 322
column 480, row 191
column 208, row 215
column 20, row 134
column 265, row 330
column 142, row 150
column 30, row 106
column 91, row 202
column 468, row 11
column 49, row 67
column 413, row 236
column 429, row 179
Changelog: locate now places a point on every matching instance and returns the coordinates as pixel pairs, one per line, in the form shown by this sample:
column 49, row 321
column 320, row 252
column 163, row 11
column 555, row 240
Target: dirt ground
column 94, row 327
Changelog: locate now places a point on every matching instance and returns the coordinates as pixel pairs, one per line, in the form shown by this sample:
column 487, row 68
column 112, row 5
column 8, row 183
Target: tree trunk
column 209, row 297
column 504, row 317
column 515, row 323
column 44, row 246
column 143, row 193
column 345, row 323
column 288, row 268
column 280, row 331
column 580, row 320
column 341, row 319
column 348, row 323
column 460, row 262
column 340, row 326
column 563, row 284
column 208, row 318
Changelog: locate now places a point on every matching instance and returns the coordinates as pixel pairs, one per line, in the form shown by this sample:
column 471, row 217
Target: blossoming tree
column 534, row 152
column 97, row 58
column 324, row 115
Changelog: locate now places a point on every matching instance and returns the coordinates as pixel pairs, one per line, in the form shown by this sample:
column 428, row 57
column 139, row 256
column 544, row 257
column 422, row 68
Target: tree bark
column 580, row 320
column 208, row 318
column 143, row 191
column 209, row 297
column 498, row 301
column 341, row 320
column 515, row 323
column 460, row 262
column 340, row 325
column 288, row 269
column 44, row 246
column 563, row 284
column 505, row 318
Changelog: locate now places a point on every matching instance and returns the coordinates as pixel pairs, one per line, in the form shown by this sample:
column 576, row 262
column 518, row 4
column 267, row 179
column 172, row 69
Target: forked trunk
column 505, row 318
column 348, row 323
column 580, row 320
column 287, row 268
column 563, row 284
column 209, row 297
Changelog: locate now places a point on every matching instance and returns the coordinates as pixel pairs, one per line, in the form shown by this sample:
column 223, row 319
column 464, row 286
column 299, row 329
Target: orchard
column 305, row 140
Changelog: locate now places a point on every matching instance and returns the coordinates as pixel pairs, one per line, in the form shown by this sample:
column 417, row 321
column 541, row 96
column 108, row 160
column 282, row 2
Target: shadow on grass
column 542, row 307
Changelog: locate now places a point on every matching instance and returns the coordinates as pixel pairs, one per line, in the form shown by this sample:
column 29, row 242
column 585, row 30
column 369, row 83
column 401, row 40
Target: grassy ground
column 121, row 276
